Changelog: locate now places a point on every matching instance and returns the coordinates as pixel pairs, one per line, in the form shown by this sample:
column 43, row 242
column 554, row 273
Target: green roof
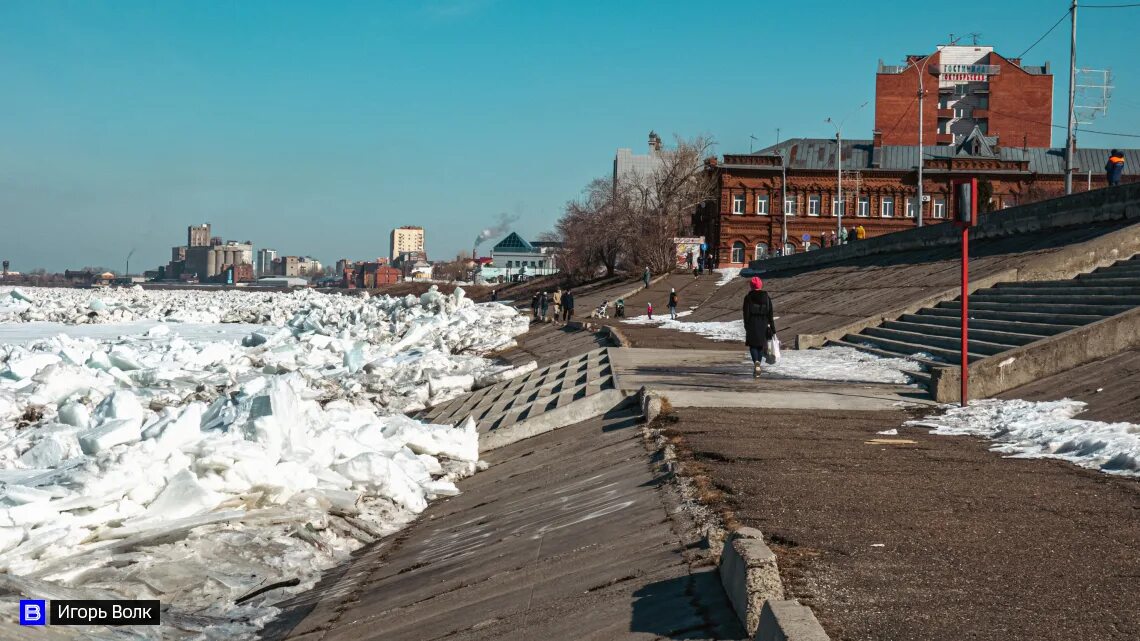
column 513, row 243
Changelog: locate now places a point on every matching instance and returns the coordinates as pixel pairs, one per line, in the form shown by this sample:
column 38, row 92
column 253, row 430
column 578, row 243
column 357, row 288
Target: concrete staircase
column 1004, row 317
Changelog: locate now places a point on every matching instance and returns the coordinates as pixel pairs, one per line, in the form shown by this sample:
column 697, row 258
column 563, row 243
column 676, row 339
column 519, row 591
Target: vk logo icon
column 33, row 612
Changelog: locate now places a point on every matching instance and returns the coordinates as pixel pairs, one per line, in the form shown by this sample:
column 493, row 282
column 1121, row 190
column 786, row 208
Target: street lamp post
column 921, row 95
column 839, row 169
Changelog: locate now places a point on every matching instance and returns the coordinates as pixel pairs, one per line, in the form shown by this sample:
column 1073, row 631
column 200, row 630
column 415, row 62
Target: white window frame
column 939, row 208
column 909, row 204
column 883, row 202
column 790, row 203
column 762, row 205
column 738, row 245
column 860, row 210
column 756, row 251
column 815, row 202
column 738, row 205
column 835, row 205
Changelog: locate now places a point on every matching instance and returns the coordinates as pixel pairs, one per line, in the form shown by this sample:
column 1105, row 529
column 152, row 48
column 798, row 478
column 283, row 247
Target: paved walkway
column 566, row 536
column 922, row 537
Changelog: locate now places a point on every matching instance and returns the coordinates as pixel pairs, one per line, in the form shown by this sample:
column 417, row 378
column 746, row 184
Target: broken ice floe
column 195, row 468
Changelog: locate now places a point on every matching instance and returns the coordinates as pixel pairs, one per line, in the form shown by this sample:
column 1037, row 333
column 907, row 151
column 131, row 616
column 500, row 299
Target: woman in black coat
column 759, row 324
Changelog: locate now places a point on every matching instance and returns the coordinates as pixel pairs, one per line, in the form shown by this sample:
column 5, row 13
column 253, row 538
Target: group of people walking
column 560, row 302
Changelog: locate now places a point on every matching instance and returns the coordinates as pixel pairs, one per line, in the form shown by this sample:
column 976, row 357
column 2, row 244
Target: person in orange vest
column 860, row 233
column 1114, row 167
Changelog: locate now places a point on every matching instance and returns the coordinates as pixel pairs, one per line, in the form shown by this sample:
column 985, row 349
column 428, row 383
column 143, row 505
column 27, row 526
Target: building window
column 761, row 251
column 910, row 208
column 983, row 102
column 738, row 205
column 835, row 206
column 738, row 252
column 813, row 205
column 864, row 207
column 887, row 206
column 789, row 249
column 790, row 205
column 939, row 208
column 762, row 205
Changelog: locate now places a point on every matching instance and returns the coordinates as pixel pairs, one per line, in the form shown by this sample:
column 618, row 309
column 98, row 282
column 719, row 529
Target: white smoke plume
column 501, row 226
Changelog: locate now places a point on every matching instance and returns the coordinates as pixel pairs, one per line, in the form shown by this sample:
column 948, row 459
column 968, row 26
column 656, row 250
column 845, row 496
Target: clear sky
column 315, row 127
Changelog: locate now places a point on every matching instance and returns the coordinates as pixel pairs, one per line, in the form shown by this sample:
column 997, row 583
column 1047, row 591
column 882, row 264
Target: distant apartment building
column 265, row 258
column 408, row 238
column 296, row 266
column 638, row 167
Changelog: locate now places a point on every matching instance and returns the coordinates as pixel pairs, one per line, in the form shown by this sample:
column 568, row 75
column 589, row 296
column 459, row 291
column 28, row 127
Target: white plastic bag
column 772, row 353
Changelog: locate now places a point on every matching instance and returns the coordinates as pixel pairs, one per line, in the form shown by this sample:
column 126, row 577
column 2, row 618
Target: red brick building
column 964, row 87
column 879, row 188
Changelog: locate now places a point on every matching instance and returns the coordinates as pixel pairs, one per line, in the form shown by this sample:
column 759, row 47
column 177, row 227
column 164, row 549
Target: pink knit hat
column 756, row 282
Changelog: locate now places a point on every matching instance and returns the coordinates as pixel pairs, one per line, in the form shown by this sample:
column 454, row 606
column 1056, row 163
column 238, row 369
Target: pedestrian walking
column 759, row 324
column 860, row 233
column 1114, row 168
column 544, row 304
column 645, row 277
column 842, row 235
column 689, row 259
column 672, row 303
column 649, row 310
column 556, row 298
column 619, row 308
column 494, row 294
column 534, row 306
column 567, row 306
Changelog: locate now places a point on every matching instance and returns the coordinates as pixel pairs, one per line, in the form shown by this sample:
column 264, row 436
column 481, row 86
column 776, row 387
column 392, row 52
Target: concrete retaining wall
column 1102, row 205
column 1059, row 353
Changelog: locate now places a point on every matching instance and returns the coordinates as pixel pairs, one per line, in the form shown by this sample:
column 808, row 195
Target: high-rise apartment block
column 408, row 238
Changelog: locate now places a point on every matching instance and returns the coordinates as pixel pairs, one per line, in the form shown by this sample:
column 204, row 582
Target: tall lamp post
column 839, row 167
column 921, row 69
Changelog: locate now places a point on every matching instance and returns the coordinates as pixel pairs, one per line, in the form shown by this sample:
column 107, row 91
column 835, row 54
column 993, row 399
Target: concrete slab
column 706, row 378
column 566, row 536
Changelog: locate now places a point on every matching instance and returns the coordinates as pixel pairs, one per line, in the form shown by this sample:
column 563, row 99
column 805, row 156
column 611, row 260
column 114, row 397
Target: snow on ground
column 726, row 275
column 835, row 363
column 1029, row 429
column 143, row 458
column 717, row 331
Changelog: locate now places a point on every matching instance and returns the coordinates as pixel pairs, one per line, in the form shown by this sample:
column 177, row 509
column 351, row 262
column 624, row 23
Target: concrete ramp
column 561, row 394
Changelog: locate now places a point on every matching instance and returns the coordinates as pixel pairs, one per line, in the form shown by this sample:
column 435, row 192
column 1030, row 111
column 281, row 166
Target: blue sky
column 314, row 128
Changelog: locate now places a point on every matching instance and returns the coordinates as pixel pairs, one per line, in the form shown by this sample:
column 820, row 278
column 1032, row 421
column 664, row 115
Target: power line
column 1062, row 19
column 1046, row 124
column 1131, row 5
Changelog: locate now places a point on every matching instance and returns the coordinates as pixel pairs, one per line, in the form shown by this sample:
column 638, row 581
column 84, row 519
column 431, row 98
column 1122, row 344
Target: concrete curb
column 1014, row 368
column 749, row 575
column 650, row 403
column 788, row 621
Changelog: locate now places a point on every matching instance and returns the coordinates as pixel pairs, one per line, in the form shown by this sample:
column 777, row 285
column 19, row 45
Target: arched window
column 761, row 251
column 738, row 252
column 789, row 248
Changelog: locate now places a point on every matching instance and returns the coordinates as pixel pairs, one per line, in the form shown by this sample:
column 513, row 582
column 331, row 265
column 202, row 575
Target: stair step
column 1012, row 339
column 1082, row 280
column 1040, row 308
column 1092, row 288
column 952, row 343
column 954, row 310
column 902, row 348
column 1046, row 298
column 1039, row 330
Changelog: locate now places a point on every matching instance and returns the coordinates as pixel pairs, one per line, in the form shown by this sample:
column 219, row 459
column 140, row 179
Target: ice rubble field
column 194, row 468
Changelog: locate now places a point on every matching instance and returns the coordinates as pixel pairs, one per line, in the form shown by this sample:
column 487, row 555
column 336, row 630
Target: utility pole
column 783, row 194
column 1072, row 98
column 839, row 183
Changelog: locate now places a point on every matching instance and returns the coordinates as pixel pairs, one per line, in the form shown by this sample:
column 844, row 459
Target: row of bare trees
column 627, row 222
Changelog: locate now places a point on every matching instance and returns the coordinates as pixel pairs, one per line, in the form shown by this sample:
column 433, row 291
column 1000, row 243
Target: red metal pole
column 965, row 315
